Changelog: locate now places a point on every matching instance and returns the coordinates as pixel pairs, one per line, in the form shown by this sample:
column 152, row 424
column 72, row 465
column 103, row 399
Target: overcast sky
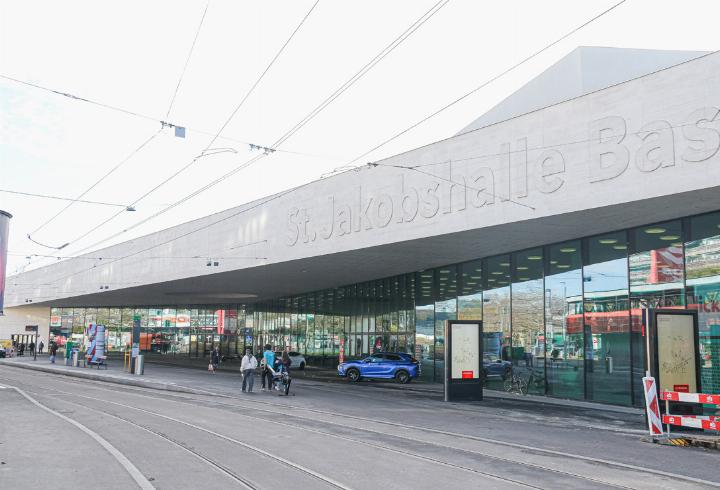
column 131, row 54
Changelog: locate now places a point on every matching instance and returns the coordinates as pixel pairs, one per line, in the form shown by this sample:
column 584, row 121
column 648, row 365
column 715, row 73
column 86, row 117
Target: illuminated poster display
column 676, row 354
column 4, row 230
column 465, row 353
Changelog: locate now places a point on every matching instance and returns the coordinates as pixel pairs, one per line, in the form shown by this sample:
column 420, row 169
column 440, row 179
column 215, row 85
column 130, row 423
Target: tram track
column 218, row 466
column 240, row 403
column 244, row 482
column 320, row 432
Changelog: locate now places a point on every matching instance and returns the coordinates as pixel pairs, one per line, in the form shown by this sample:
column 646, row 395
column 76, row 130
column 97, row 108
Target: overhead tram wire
column 107, row 174
column 132, row 113
column 134, row 152
column 488, row 82
column 383, row 53
column 60, row 198
column 311, row 115
column 207, row 147
column 201, row 228
column 360, row 73
column 187, row 60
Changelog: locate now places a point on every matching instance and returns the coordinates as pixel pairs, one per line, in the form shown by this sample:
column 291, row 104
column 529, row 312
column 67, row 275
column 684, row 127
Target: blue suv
column 383, row 365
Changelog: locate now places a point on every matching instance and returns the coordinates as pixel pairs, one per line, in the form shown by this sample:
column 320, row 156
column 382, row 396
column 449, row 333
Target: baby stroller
column 280, row 379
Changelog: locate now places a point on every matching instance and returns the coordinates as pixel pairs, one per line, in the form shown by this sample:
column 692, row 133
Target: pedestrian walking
column 32, row 347
column 247, row 367
column 286, row 361
column 214, row 359
column 269, row 363
column 53, row 352
column 21, row 349
column 41, row 347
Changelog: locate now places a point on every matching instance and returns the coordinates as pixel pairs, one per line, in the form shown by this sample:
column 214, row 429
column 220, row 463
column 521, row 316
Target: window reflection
column 656, row 281
column 607, row 320
column 425, row 323
column 564, row 344
column 702, row 255
column 528, row 325
column 470, row 296
column 497, row 353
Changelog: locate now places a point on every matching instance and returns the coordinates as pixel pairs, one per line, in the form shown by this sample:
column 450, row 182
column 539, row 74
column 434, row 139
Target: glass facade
column 566, row 316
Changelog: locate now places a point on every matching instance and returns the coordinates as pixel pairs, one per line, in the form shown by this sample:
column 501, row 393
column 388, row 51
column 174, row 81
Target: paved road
column 74, row 432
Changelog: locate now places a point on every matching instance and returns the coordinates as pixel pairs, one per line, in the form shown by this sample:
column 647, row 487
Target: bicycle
column 515, row 384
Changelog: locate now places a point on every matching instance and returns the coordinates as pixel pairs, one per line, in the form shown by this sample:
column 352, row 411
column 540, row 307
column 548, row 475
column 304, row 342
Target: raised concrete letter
column 608, row 157
column 551, row 166
column 483, row 181
column 293, row 228
column 658, row 146
column 704, row 142
column 431, row 202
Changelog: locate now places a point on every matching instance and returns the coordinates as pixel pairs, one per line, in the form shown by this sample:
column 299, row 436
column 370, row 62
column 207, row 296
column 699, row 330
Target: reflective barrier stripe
column 678, row 396
column 685, row 421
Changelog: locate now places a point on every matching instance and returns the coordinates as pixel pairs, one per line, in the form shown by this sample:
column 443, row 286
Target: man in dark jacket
column 215, row 359
column 53, row 351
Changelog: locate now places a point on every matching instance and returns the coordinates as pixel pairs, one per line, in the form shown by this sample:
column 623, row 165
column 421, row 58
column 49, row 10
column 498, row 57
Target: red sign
column 682, row 388
column 467, row 375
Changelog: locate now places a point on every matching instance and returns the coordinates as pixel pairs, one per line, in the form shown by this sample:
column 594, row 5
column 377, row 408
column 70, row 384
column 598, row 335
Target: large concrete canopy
column 642, row 151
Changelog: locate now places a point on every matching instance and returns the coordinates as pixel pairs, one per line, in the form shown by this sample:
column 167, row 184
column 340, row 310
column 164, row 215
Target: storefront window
column 470, row 296
column 445, row 309
column 182, row 323
column 564, row 321
column 528, row 323
column 425, row 323
column 702, row 257
column 607, row 320
column 656, row 281
column 497, row 352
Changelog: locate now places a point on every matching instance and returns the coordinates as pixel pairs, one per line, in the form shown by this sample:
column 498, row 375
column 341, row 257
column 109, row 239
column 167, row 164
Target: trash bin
column 140, row 364
column 75, row 358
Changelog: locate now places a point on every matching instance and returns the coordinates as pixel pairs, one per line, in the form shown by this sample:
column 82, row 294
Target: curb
column 112, row 379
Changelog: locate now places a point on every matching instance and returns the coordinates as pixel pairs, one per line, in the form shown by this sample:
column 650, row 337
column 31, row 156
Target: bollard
column 609, row 365
column 140, row 364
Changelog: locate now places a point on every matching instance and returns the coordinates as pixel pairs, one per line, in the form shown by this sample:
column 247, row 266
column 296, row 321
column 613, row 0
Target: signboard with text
column 465, row 354
column 464, row 374
column 676, row 352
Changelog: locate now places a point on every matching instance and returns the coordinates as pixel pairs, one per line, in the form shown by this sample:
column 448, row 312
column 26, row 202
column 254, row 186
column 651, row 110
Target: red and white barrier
column 695, row 422
column 707, row 422
column 679, row 396
column 651, row 406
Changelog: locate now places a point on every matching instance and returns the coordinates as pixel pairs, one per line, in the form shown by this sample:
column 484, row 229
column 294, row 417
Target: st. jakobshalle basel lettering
column 610, row 150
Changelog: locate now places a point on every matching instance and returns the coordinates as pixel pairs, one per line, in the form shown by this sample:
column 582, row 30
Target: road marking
column 120, row 457
column 552, row 452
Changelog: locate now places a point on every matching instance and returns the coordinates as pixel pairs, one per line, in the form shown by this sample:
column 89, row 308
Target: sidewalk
column 226, row 382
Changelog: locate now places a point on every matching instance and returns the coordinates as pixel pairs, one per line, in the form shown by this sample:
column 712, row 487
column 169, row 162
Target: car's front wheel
column 353, row 375
column 302, row 366
column 402, row 377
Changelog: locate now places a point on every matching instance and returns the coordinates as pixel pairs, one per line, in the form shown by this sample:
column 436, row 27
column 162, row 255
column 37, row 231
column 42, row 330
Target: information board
column 676, row 353
column 465, row 354
column 463, row 371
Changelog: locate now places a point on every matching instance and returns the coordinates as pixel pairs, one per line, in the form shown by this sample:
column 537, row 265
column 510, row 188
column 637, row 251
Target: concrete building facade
column 555, row 226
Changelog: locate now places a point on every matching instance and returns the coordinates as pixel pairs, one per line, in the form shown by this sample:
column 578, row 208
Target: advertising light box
column 465, row 355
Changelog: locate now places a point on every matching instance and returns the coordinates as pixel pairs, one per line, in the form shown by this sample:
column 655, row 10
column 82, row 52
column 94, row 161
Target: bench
column 100, row 361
